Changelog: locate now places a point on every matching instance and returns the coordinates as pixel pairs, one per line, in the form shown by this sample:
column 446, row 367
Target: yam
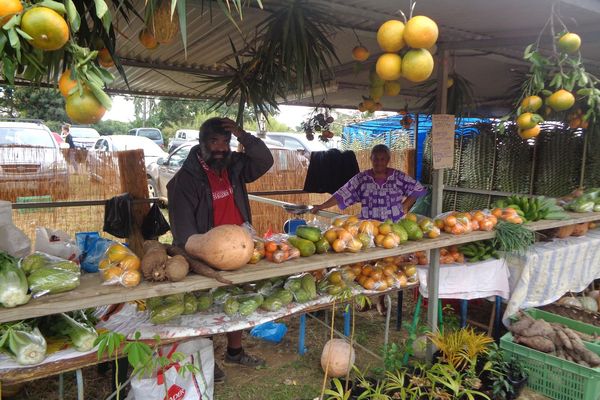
column 539, row 328
column 539, row 343
column 154, row 261
column 176, row 268
column 580, row 229
column 524, row 322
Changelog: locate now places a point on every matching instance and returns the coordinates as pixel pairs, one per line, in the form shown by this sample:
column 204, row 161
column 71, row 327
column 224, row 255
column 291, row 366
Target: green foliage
column 32, row 102
column 110, row 127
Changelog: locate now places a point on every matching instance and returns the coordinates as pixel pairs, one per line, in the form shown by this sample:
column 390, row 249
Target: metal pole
column 437, row 191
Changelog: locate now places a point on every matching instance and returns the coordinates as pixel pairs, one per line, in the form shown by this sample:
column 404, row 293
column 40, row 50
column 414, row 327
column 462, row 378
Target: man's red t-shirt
column 225, row 211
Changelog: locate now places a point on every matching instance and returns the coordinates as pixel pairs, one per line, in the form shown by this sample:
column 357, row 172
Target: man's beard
column 217, row 164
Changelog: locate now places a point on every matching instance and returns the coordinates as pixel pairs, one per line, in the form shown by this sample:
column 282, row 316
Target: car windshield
column 150, row 148
column 25, row 136
column 153, row 134
column 84, row 133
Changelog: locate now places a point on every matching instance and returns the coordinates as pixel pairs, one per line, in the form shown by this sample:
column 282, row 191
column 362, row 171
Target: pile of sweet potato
column 555, row 339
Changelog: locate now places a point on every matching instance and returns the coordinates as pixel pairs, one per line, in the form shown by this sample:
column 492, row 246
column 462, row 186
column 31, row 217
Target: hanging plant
column 319, row 123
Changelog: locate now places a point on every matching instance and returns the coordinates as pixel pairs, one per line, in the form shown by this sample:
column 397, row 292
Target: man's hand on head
column 231, row 126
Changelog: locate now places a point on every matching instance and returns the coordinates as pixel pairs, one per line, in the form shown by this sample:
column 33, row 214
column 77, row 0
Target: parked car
column 84, row 136
column 182, row 136
column 153, row 134
column 101, row 161
column 60, row 141
column 31, row 162
column 161, row 172
column 298, row 142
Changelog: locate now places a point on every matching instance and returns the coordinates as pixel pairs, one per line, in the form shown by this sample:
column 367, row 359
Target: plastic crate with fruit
column 552, row 376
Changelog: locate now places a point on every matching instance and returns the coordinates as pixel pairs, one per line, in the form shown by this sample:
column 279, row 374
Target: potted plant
column 505, row 378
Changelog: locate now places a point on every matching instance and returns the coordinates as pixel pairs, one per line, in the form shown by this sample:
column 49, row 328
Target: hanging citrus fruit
column 531, row 103
column 104, row 58
column 48, row 28
column 8, row 8
column 376, row 92
column 147, row 39
column 389, row 66
column 391, row 88
column 374, row 79
column 84, row 108
column 421, row 32
column 569, row 42
column 66, row 83
column 389, row 36
column 530, row 133
column 528, row 120
column 417, row 65
column 561, row 100
column 360, row 53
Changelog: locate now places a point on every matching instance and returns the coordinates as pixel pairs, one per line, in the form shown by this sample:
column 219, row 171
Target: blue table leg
column 301, row 348
column 463, row 312
column 399, row 310
column 347, row 319
column 498, row 319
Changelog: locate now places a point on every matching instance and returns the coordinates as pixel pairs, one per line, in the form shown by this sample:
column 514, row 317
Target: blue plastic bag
column 92, row 248
column 270, row 331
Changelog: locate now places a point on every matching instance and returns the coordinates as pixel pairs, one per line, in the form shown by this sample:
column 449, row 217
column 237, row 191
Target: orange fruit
column 450, row 221
column 385, row 228
column 8, row 8
column 432, row 234
column 389, row 270
column 112, row 274
column 421, row 32
column 417, row 65
column 360, row 53
column 390, row 36
column 439, row 223
column 354, row 245
column 531, row 103
column 369, row 284
column 66, row 83
column 330, row 235
column 497, row 212
column 389, row 242
column 344, row 235
column 569, row 42
column 561, row 100
column 366, row 227
column 147, row 39
column 352, row 219
column 130, row 263
column 528, row 120
column 411, row 217
column 379, row 240
column 117, row 252
column 131, row 278
column 338, row 245
column 270, row 246
column 48, row 28
column 104, row 58
column 377, row 274
column 382, row 285
column 367, row 270
column 338, row 222
column 529, row 133
column 390, row 280
column 389, row 66
column 361, row 107
column 104, row 263
column 84, row 108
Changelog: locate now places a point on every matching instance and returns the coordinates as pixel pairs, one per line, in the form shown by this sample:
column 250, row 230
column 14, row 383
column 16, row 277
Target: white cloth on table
column 551, row 269
column 469, row 281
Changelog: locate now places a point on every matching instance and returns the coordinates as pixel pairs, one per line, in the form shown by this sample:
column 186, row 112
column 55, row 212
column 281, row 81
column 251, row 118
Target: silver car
column 31, row 162
column 84, row 136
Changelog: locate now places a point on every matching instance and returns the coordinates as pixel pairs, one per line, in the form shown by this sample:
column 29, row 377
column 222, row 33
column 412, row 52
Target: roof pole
column 437, row 192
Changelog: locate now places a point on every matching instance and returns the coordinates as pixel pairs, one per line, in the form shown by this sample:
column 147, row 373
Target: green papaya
column 166, row 312
column 272, row 303
column 306, row 247
column 173, row 298
column 293, row 284
column 204, row 301
column 220, row 295
column 52, row 280
column 231, row 306
column 301, row 296
column 285, row 296
column 308, row 232
column 401, row 232
column 412, row 229
column 322, row 246
column 309, row 284
column 190, row 304
column 153, row 302
column 249, row 304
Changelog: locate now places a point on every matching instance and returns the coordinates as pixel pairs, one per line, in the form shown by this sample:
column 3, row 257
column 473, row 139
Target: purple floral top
column 379, row 201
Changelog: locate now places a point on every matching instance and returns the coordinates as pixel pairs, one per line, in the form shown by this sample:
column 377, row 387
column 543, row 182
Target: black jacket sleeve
column 182, row 193
column 257, row 157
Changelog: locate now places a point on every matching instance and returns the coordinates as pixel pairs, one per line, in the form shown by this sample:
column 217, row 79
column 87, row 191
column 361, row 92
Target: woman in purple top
column 384, row 193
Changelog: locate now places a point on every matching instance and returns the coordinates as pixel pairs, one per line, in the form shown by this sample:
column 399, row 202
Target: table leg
column 347, row 321
column 61, row 387
column 498, row 318
column 79, row 378
column 399, row 310
column 463, row 312
column 301, row 348
column 388, row 316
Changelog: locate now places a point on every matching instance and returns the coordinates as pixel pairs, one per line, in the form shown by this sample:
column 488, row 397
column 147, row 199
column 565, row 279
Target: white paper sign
column 442, row 140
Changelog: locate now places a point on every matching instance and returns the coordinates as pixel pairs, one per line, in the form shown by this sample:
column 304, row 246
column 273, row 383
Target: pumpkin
column 337, row 358
column 580, row 229
column 589, row 304
column 226, row 247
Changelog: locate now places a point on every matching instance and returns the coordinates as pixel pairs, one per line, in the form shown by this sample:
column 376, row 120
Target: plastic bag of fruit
column 428, row 226
column 47, row 274
column 120, row 266
column 278, row 250
column 455, row 223
column 338, row 279
column 451, row 255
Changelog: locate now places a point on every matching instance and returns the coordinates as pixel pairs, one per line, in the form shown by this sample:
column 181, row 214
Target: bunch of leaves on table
column 583, row 201
column 533, row 208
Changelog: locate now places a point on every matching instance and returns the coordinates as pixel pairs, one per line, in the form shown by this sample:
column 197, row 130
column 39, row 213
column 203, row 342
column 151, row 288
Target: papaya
column 231, row 306
column 322, row 246
column 166, row 312
column 284, row 295
column 306, row 247
column 308, row 232
column 401, row 232
column 190, row 304
column 302, row 296
column 249, row 304
column 293, row 284
column 204, row 301
column 272, row 303
column 309, row 285
column 412, row 229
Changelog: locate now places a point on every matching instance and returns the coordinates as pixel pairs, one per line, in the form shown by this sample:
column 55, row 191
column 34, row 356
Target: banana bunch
column 479, row 251
column 533, row 208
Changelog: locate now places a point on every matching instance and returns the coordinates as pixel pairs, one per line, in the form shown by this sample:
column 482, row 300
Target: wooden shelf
column 91, row 292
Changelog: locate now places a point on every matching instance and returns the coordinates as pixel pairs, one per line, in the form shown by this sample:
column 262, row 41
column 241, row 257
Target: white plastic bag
column 56, row 243
column 199, row 386
column 12, row 239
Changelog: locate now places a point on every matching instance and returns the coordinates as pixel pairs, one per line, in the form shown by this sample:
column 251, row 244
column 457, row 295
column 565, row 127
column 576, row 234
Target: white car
column 31, row 162
column 84, row 136
column 182, row 136
column 101, row 160
column 298, row 142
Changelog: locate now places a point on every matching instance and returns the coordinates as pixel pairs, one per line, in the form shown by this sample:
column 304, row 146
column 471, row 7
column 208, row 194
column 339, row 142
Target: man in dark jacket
column 210, row 190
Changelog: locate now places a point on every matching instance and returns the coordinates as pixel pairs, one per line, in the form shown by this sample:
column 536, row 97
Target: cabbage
column 13, row 283
column 75, row 326
column 24, row 343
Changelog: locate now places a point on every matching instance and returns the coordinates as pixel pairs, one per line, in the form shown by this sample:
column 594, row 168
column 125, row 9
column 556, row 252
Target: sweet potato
column 524, row 322
column 177, row 268
column 539, row 328
column 154, row 261
column 539, row 343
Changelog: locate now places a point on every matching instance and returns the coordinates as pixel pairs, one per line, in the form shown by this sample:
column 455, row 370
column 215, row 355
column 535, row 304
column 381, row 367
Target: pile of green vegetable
column 49, row 275
column 589, row 201
column 23, row 341
column 479, row 251
column 533, row 208
column 513, row 238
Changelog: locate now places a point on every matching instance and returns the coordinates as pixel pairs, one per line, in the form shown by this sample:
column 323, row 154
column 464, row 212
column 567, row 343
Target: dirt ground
column 288, row 376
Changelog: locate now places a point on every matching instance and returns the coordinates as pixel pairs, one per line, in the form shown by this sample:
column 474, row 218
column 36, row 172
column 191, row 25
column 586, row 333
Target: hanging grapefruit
column 147, row 39
column 391, row 88
column 360, row 53
column 84, row 108
column 530, row 133
column 417, row 65
column 8, row 8
column 390, row 36
column 561, row 100
column 389, row 66
column 66, row 83
column 48, row 28
column 569, row 42
column 531, row 103
column 528, row 120
column 421, row 32
column 104, row 58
